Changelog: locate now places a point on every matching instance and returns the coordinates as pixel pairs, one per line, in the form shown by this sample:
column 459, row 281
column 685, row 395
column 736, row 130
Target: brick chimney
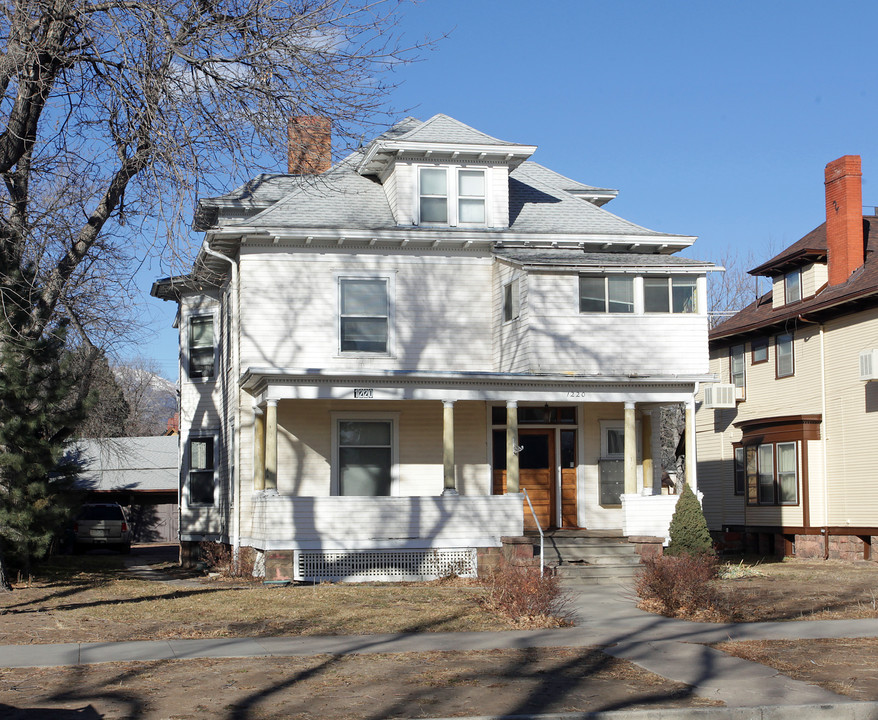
column 309, row 145
column 844, row 218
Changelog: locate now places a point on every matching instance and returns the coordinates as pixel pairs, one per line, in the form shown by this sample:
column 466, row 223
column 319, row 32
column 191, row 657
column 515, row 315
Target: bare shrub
column 682, row 586
column 219, row 559
column 526, row 597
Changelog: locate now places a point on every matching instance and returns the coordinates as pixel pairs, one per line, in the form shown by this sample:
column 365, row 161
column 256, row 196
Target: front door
column 536, row 473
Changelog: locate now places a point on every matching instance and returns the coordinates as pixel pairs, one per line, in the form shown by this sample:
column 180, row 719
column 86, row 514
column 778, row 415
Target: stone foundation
column 841, row 547
column 647, row 546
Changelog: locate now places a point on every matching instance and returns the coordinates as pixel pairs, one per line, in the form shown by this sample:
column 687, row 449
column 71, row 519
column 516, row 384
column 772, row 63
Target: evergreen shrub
column 689, row 533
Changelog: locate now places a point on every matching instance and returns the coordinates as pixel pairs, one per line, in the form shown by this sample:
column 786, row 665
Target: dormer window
column 793, row 286
column 451, row 196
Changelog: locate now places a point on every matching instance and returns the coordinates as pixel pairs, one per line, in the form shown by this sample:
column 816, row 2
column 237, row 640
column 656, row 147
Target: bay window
column 771, row 473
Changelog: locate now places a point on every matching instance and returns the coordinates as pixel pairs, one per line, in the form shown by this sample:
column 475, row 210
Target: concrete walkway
column 606, row 617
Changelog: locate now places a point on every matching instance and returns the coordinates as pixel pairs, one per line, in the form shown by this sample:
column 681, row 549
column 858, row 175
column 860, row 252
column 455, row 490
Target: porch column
column 271, row 445
column 646, row 444
column 511, row 447
column 691, row 476
column 450, row 487
column 258, row 449
column 630, row 450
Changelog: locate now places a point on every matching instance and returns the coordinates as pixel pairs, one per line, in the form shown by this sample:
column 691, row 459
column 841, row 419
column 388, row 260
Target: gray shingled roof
column 562, row 257
column 132, row 463
column 541, row 172
column 443, row 129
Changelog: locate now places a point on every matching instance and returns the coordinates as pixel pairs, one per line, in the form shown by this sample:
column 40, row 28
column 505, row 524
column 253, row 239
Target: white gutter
column 236, row 360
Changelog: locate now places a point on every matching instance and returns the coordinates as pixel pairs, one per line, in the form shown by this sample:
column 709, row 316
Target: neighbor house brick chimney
column 309, row 145
column 844, row 218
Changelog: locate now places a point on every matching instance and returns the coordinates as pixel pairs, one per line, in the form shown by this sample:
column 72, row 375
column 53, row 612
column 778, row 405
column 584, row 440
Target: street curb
column 853, row 710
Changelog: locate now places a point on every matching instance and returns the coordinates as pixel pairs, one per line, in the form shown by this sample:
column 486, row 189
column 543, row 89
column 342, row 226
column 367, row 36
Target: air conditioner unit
column 719, row 395
column 869, row 365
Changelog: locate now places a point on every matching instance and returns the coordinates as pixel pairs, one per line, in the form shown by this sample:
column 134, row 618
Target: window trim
column 393, row 419
column 777, row 358
column 194, row 435
column 797, row 273
column 606, row 299
column 197, row 315
column 453, row 195
column 390, row 285
column 758, row 344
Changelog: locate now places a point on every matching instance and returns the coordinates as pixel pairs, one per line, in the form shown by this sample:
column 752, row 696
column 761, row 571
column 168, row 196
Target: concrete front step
column 569, row 554
column 592, row 560
column 594, row 571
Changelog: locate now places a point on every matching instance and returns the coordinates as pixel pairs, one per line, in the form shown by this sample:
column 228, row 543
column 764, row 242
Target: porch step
column 573, row 575
column 590, row 558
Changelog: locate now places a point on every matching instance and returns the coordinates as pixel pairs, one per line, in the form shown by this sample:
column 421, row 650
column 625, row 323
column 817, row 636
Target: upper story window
column 783, row 350
column 736, row 370
column 793, row 286
column 201, row 347
column 669, row 294
column 364, row 315
column 606, row 294
column 511, row 307
column 758, row 351
column 451, row 196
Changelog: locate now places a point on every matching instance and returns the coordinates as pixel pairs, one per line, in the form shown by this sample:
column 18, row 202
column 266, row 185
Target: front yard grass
column 90, row 599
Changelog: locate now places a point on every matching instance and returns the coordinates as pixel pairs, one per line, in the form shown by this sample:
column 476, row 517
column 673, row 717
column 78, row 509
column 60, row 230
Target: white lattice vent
column 385, row 565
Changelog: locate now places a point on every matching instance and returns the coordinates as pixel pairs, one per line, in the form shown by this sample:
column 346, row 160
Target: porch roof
column 296, row 383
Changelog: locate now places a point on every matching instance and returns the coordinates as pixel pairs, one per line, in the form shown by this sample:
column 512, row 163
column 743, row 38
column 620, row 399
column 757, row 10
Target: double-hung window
column 365, row 455
column 606, row 294
column 759, row 351
column 669, row 294
column 201, row 347
column 770, row 472
column 201, row 467
column 364, row 315
column 784, row 359
column 451, row 196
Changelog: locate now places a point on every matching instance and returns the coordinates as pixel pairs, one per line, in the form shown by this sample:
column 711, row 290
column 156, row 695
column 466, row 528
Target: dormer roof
column 442, row 137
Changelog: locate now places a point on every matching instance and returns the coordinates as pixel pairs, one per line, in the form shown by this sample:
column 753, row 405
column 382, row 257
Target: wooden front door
column 536, row 473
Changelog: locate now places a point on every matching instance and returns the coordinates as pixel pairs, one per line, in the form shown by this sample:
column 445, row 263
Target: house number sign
column 363, row 393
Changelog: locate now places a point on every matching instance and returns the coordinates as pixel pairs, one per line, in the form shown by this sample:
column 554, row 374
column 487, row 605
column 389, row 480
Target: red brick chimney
column 309, row 145
column 844, row 218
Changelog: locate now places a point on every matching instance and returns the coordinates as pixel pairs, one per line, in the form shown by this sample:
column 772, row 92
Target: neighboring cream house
column 376, row 356
column 787, row 451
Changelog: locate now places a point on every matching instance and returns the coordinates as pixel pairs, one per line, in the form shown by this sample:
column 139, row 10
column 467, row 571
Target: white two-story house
column 377, row 356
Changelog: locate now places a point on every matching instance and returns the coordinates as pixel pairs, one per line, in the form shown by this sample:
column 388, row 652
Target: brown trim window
column 758, row 351
column 740, row 471
column 784, row 358
column 793, row 286
column 737, row 375
column 771, row 471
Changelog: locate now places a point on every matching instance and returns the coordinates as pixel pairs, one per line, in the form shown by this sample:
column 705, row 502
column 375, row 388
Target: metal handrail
column 537, row 523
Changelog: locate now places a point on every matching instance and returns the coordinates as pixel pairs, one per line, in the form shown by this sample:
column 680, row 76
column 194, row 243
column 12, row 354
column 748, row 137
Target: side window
column 669, row 294
column 201, row 347
column 201, row 471
column 759, row 351
column 471, row 197
column 606, row 294
column 784, row 360
column 365, row 457
column 793, row 286
column 364, row 315
column 433, row 196
column 511, row 300
column 736, row 370
column 740, row 472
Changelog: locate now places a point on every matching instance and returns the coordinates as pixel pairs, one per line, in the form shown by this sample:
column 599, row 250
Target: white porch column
column 258, row 449
column 646, row 443
column 691, row 460
column 271, row 445
column 511, row 447
column 450, row 487
column 630, row 450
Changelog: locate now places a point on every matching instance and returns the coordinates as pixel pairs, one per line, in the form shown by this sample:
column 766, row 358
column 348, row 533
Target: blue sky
column 711, row 118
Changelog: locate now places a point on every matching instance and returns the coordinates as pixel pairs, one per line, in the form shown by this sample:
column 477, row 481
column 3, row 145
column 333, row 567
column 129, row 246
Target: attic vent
column 719, row 395
column 869, row 365
column 385, row 565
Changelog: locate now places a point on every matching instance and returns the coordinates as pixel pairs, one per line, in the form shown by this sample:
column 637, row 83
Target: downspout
column 823, row 435
column 236, row 359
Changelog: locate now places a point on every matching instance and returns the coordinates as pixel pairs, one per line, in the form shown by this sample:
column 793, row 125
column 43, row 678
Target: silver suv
column 102, row 525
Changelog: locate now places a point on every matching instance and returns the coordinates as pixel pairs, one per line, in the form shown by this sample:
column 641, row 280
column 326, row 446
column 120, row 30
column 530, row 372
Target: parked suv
column 102, row 525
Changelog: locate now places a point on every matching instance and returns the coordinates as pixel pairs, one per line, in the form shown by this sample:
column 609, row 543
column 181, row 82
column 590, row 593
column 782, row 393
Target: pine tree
column 689, row 533
column 38, row 410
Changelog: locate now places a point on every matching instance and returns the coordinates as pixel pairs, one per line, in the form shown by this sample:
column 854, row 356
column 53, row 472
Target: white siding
column 511, row 339
column 565, row 340
column 498, row 191
column 441, row 310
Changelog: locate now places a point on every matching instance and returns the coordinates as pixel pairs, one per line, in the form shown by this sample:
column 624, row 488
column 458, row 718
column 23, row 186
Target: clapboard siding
column 326, row 522
column 498, row 191
column 440, row 310
column 510, row 338
column 564, row 340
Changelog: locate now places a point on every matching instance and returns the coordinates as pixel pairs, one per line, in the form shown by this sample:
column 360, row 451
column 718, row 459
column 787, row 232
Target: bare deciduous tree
column 732, row 290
